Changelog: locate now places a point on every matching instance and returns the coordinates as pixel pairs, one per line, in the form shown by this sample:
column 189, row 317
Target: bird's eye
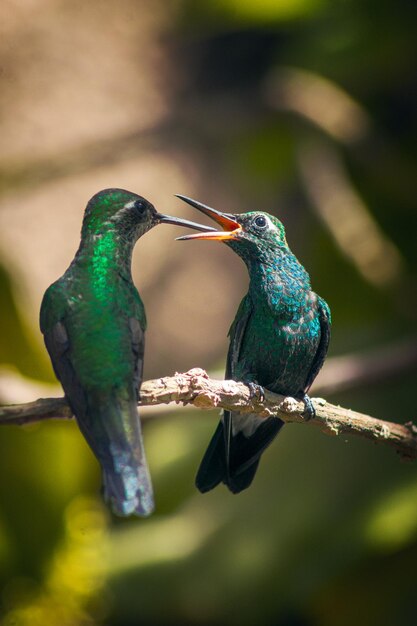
column 140, row 206
column 260, row 221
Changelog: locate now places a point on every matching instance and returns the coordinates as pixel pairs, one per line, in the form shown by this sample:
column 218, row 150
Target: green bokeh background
column 327, row 534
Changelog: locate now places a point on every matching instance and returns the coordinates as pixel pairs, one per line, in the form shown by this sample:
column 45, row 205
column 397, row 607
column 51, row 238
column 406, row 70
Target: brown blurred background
column 303, row 108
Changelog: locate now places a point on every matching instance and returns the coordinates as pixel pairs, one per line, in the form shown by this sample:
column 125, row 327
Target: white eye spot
column 263, row 223
column 129, row 205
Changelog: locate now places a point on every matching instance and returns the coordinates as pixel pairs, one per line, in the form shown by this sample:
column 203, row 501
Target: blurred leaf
column 16, row 345
column 393, row 523
column 260, row 12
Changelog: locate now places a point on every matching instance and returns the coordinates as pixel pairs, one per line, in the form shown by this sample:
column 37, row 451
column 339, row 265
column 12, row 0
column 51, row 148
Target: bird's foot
column 309, row 410
column 256, row 391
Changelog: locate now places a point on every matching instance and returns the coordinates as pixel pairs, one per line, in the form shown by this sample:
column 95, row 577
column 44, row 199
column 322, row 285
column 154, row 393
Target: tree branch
column 196, row 388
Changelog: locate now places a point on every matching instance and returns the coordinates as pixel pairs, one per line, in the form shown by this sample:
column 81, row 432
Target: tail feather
column 128, row 488
column 242, row 480
column 213, row 467
column 113, row 432
column 232, row 456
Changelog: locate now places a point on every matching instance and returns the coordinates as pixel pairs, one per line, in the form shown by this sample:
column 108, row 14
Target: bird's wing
column 214, row 467
column 53, row 327
column 137, row 326
column 325, row 327
column 246, row 436
column 138, row 346
column 236, row 334
column 233, row 454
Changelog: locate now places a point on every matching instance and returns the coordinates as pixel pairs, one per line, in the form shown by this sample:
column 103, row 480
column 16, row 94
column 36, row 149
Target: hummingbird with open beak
column 278, row 340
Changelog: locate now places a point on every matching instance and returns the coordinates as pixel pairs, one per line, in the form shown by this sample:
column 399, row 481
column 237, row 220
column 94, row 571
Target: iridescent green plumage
column 279, row 340
column 93, row 322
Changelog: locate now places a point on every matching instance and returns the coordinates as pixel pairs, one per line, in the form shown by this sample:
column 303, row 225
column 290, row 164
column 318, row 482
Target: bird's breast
column 279, row 347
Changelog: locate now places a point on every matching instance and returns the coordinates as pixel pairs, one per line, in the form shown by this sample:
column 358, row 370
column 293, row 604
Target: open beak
column 177, row 221
column 231, row 228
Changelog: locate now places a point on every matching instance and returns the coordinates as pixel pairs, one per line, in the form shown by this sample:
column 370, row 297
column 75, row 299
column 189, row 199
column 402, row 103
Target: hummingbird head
column 127, row 213
column 252, row 235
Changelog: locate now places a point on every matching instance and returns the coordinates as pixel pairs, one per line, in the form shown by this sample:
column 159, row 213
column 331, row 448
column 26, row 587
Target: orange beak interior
column 231, row 228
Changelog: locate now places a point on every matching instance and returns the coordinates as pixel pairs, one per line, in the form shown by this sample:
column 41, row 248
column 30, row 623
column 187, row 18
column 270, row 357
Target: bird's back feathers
column 106, row 412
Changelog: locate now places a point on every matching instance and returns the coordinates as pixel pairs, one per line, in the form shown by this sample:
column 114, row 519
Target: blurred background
column 303, row 108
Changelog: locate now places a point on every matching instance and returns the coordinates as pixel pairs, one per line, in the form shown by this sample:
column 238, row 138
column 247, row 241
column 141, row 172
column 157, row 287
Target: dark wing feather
column 53, row 326
column 234, row 458
column 236, row 334
column 214, row 467
column 138, row 347
column 243, row 453
column 325, row 328
column 57, row 341
column 57, row 344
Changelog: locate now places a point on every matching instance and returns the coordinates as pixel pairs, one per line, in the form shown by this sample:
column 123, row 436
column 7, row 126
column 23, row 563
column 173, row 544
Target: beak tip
column 186, row 199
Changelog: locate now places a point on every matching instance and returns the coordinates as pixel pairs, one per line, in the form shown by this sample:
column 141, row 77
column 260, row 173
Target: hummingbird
column 93, row 321
column 278, row 341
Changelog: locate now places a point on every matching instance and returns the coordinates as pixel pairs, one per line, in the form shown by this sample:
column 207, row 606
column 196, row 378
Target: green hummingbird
column 278, row 340
column 93, row 322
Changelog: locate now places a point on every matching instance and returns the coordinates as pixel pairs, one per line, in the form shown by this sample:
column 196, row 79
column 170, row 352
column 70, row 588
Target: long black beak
column 177, row 221
column 231, row 228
